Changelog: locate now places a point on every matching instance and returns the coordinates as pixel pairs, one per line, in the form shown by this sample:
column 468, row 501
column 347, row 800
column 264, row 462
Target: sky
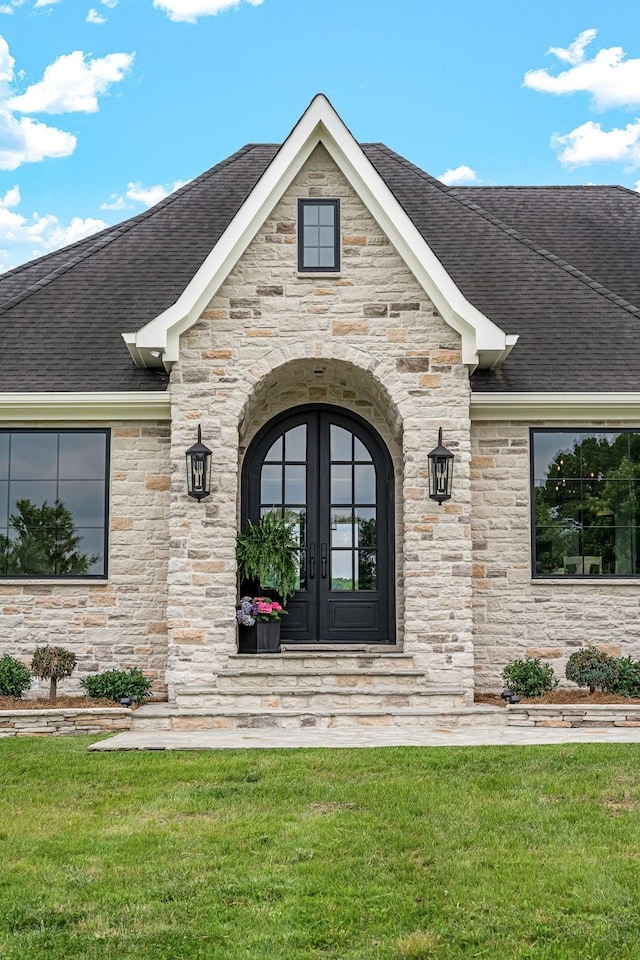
column 106, row 106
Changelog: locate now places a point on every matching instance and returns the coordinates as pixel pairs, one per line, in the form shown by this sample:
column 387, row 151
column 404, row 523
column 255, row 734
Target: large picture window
column 53, row 503
column 586, row 503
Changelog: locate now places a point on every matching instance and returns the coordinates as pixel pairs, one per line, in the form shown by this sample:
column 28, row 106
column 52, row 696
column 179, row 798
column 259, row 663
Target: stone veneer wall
column 514, row 615
column 384, row 352
column 120, row 622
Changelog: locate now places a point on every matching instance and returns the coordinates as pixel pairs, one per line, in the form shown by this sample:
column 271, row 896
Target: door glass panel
column 366, row 526
column 365, row 477
column 366, row 573
column 340, row 443
column 271, row 484
column 341, row 570
column 275, row 451
column 341, row 528
column 341, row 487
column 360, row 452
column 296, row 443
column 295, row 484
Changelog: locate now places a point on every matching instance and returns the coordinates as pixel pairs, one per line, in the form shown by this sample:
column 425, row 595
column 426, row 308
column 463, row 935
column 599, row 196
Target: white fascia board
column 158, row 341
column 567, row 407
column 85, row 406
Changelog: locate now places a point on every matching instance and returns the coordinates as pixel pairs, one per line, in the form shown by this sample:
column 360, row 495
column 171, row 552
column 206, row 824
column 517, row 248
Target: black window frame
column 568, row 577
column 106, row 432
column 322, row 202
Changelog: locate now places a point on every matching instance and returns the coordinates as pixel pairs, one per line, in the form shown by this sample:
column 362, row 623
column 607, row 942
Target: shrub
column 529, row 678
column 627, row 682
column 15, row 678
column 53, row 664
column 117, row 684
column 592, row 668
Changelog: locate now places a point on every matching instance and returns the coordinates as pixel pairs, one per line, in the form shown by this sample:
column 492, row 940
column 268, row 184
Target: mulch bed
column 560, row 697
column 11, row 703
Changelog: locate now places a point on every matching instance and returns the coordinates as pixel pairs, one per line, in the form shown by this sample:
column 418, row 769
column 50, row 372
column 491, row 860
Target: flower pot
column 264, row 637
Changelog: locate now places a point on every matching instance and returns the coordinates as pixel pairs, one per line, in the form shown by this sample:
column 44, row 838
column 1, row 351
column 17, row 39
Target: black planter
column 263, row 638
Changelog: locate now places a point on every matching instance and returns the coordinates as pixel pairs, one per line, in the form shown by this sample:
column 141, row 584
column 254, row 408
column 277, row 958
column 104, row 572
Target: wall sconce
column 198, row 469
column 440, row 472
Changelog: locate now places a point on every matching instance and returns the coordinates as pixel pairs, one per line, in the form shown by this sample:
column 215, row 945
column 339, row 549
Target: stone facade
column 515, row 615
column 366, row 339
column 119, row 622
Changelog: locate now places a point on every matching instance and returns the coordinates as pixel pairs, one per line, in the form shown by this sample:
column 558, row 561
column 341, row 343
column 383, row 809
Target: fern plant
column 269, row 552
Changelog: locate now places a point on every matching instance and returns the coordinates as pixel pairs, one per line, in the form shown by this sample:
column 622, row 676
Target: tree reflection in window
column 586, row 503
column 43, row 542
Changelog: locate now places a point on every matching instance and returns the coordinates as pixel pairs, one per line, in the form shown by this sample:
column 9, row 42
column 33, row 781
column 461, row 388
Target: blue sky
column 106, row 105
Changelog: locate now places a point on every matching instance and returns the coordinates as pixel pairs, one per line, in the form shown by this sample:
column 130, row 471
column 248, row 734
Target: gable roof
column 561, row 275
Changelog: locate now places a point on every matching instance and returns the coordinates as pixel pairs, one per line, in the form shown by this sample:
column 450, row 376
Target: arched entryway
column 328, row 469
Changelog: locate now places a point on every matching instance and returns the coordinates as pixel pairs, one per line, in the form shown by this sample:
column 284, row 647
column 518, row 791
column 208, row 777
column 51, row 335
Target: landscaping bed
column 582, row 697
column 43, row 703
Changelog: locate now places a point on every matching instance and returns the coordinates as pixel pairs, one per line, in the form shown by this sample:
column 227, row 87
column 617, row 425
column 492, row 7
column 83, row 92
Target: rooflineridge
column 484, row 343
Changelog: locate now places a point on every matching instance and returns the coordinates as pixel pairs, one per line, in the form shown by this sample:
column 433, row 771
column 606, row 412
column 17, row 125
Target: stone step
column 162, row 717
column 317, row 660
column 231, row 680
column 330, row 696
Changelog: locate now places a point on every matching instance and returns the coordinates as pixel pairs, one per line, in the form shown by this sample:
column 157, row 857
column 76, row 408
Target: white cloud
column 589, row 143
column 24, row 237
column 574, row 53
column 137, row 193
column 11, row 198
column 461, row 174
column 109, row 3
column 29, row 141
column 46, row 3
column 5, row 8
column 72, row 83
column 7, row 62
column 94, row 17
column 188, row 11
column 612, row 80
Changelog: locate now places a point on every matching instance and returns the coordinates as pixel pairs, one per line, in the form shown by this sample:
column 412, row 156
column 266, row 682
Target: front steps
column 316, row 689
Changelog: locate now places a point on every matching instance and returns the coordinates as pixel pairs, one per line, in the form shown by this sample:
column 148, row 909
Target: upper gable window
column 319, row 235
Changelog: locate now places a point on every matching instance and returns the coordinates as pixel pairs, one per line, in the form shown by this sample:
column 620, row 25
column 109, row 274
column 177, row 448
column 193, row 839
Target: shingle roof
column 555, row 265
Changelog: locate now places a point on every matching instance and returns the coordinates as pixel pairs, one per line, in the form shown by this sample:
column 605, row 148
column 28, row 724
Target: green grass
column 514, row 852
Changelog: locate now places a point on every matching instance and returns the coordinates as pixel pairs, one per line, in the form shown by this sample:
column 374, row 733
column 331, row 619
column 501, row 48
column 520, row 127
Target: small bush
column 627, row 682
column 15, row 678
column 117, row 684
column 529, row 678
column 53, row 664
column 592, row 668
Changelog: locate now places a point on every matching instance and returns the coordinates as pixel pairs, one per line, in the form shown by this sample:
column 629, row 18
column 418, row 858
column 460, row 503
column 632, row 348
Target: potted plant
column 268, row 553
column 259, row 622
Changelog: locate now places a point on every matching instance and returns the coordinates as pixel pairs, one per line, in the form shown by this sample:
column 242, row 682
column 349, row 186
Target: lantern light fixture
column 198, row 469
column 440, row 472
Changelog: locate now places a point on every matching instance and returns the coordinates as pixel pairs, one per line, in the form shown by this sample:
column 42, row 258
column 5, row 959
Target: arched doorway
column 330, row 471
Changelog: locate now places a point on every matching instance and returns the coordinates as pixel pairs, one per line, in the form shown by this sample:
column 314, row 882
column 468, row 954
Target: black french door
column 331, row 474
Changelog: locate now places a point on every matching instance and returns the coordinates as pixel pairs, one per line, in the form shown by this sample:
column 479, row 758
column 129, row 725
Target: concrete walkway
column 270, row 738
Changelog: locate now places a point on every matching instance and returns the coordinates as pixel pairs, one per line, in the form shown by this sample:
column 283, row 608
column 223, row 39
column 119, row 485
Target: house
column 322, row 309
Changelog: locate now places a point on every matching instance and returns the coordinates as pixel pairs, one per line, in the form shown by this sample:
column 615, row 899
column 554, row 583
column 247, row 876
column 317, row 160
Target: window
column 318, row 236
column 53, row 503
column 585, row 503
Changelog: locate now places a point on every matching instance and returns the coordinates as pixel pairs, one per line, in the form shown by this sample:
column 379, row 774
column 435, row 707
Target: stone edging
column 573, row 715
column 61, row 721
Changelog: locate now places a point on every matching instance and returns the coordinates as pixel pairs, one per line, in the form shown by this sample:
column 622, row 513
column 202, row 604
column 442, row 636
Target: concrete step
column 274, row 695
column 296, row 678
column 311, row 661
column 163, row 717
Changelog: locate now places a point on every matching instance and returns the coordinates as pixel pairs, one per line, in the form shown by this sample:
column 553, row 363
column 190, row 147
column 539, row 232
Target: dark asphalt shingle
column 555, row 265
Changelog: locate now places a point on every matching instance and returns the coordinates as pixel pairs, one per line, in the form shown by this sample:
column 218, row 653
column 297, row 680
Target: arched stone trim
column 392, row 392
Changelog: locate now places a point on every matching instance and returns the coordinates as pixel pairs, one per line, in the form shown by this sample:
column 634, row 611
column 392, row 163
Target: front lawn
column 513, row 852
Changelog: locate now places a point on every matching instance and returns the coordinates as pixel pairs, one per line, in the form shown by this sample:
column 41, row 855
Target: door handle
column 312, row 561
column 323, row 560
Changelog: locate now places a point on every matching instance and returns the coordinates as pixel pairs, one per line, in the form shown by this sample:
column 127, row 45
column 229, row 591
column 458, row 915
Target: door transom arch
column 331, row 473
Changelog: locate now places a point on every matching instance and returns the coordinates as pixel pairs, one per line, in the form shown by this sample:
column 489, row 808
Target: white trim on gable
column 484, row 344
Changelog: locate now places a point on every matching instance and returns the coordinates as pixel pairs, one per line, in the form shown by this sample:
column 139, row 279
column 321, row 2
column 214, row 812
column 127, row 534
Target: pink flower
column 276, row 606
